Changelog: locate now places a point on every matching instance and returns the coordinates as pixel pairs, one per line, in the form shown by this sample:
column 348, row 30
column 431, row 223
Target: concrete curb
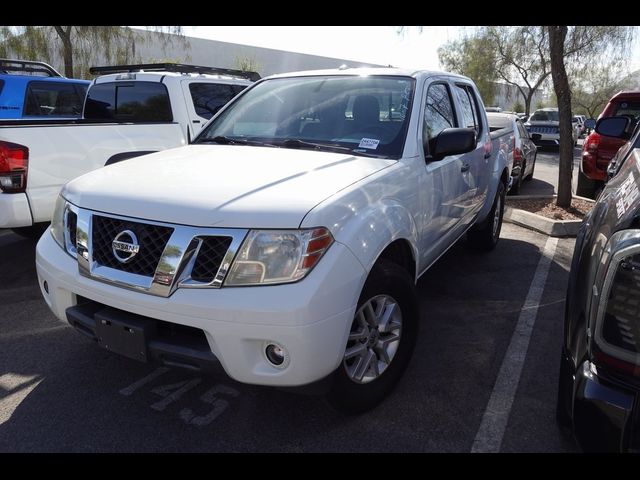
column 533, row 221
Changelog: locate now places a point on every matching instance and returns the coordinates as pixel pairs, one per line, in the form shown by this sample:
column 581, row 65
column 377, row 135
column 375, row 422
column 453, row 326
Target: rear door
column 475, row 166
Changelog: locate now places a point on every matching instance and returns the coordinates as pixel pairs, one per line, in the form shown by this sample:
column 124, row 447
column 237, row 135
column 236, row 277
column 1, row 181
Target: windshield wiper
column 297, row 143
column 222, row 140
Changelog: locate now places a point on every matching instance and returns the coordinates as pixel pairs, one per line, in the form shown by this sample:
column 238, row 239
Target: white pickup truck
column 284, row 244
column 129, row 111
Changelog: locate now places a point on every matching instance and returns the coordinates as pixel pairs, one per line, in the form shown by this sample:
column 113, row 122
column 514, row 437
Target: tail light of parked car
column 14, row 164
column 517, row 154
column 615, row 306
column 590, row 153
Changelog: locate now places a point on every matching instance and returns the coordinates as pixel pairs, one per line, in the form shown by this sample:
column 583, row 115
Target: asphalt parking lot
column 60, row 393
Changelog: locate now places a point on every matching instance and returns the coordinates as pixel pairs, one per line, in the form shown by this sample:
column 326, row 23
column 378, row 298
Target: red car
column 598, row 150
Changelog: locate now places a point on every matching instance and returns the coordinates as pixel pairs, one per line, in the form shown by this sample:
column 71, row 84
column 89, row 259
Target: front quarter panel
column 372, row 213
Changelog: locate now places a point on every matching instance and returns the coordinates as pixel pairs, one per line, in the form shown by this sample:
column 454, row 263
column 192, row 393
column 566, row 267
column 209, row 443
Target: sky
column 374, row 44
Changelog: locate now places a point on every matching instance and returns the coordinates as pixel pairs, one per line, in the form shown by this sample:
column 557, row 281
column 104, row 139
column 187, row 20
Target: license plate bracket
column 124, row 333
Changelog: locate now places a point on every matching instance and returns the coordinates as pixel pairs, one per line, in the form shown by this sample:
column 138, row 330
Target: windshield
column 545, row 116
column 366, row 115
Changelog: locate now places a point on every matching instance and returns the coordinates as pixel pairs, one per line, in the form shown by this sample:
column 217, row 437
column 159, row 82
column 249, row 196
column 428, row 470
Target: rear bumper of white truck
column 14, row 210
column 310, row 319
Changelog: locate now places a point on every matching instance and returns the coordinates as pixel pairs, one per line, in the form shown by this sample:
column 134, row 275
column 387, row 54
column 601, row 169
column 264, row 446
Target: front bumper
column 310, row 318
column 14, row 210
column 603, row 413
column 547, row 139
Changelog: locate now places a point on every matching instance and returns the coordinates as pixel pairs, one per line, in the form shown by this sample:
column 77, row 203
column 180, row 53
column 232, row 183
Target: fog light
column 46, row 286
column 276, row 355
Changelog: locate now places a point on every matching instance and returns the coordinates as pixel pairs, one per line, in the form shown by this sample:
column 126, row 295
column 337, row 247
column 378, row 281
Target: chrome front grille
column 545, row 130
column 152, row 240
column 168, row 257
column 210, row 255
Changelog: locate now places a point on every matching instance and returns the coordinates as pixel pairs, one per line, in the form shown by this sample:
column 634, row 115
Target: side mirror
column 590, row 123
column 453, row 141
column 535, row 136
column 617, row 127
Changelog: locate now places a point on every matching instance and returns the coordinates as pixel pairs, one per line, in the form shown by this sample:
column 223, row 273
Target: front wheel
column 381, row 340
column 485, row 236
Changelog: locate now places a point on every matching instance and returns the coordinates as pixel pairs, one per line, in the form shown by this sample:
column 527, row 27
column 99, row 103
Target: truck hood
column 221, row 185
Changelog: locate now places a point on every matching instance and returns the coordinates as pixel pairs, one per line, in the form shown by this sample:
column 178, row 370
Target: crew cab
column 32, row 90
column 142, row 109
column 598, row 150
column 285, row 242
column 599, row 383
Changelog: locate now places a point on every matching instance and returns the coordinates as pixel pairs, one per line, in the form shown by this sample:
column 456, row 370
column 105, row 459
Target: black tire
column 529, row 177
column 586, row 187
column 517, row 184
column 565, row 391
column 485, row 236
column 386, row 278
column 33, row 232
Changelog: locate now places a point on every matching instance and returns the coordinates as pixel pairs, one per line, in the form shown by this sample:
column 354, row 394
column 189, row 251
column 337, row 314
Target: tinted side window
column 208, row 98
column 466, row 107
column 438, row 112
column 52, row 99
column 129, row 102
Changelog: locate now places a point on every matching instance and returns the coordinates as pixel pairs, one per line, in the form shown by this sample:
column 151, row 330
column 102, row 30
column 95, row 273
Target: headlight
column 278, row 256
column 57, row 221
column 63, row 225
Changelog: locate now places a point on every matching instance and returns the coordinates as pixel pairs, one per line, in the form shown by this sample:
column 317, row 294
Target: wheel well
column 400, row 252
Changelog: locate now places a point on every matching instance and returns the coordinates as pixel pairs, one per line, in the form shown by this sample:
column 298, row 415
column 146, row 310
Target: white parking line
column 495, row 418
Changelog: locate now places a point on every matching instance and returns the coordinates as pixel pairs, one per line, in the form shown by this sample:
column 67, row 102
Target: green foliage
column 473, row 57
column 517, row 107
column 77, row 48
column 246, row 64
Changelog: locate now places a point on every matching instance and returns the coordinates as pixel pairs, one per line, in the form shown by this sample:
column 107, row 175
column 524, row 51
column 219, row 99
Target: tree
column 473, row 57
column 517, row 107
column 246, row 64
column 577, row 46
column 591, row 88
column 79, row 44
column 521, row 55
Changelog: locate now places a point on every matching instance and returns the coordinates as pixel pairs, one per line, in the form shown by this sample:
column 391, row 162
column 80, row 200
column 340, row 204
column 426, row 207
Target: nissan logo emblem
column 125, row 246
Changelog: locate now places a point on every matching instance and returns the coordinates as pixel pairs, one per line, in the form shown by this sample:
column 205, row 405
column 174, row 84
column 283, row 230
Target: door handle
column 465, row 167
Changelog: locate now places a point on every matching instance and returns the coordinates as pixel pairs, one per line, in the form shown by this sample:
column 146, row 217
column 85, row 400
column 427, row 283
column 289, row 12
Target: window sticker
column 369, row 143
column 627, row 194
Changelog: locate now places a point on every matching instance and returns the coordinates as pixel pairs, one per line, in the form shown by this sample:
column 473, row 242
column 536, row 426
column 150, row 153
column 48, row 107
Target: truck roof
column 158, row 76
column 403, row 72
column 632, row 94
column 29, row 78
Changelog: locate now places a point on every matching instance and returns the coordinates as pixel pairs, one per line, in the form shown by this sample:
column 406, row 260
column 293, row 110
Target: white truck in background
column 129, row 111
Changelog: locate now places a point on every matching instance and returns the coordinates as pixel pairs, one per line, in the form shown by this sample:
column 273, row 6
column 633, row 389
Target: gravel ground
column 547, row 208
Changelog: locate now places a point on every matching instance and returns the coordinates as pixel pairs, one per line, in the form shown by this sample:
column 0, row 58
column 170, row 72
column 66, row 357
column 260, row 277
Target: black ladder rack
column 27, row 66
column 174, row 67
